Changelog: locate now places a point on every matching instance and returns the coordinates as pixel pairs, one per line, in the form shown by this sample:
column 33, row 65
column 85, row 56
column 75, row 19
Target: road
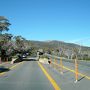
column 29, row 75
column 66, row 81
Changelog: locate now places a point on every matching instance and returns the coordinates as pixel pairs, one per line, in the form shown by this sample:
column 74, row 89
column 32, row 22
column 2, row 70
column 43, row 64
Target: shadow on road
column 4, row 69
column 25, row 59
column 30, row 60
column 81, row 78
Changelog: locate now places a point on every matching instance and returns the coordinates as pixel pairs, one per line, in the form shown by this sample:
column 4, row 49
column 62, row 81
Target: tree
column 4, row 24
column 6, row 46
column 19, row 42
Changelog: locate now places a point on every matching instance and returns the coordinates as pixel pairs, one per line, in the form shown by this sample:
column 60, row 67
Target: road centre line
column 52, row 81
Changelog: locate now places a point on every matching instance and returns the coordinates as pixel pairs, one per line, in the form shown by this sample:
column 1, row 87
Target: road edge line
column 16, row 65
column 11, row 68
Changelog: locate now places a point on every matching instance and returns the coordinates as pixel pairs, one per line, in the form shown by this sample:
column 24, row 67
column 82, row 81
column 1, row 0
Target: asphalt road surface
column 30, row 76
column 27, row 76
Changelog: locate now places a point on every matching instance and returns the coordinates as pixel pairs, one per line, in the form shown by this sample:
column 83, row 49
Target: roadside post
column 76, row 70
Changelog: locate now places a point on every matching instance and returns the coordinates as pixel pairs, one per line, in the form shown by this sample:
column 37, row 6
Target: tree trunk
column 0, row 60
column 3, row 55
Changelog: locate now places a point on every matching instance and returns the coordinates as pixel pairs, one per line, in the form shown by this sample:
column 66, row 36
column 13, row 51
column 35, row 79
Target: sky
column 64, row 20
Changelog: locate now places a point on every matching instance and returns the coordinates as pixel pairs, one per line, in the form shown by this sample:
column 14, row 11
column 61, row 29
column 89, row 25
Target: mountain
column 54, row 44
column 66, row 49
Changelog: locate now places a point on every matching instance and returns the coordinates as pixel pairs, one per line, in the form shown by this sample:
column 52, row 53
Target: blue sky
column 64, row 20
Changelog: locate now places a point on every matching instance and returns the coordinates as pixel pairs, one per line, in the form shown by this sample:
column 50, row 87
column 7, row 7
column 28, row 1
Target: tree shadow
column 4, row 69
column 30, row 60
column 18, row 60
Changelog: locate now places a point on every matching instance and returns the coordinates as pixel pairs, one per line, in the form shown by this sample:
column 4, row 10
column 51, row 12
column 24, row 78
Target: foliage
column 4, row 24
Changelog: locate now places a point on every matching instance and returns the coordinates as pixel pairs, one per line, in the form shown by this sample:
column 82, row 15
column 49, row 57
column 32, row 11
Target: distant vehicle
column 24, row 56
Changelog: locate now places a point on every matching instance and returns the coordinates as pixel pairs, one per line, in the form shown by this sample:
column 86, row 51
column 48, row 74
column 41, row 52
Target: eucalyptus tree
column 6, row 45
column 19, row 41
column 4, row 26
column 20, row 44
